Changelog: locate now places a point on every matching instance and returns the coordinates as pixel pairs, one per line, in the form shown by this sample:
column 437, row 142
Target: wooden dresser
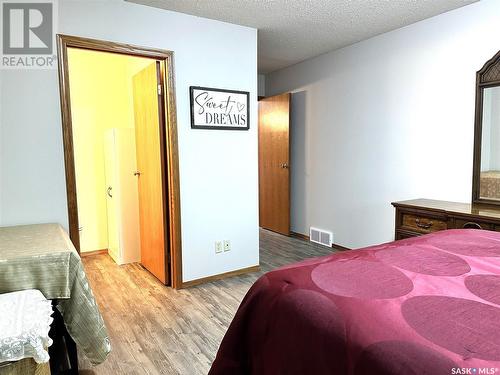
column 423, row 216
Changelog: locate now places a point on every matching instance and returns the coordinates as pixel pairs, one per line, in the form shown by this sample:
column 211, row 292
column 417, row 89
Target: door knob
column 284, row 165
column 137, row 173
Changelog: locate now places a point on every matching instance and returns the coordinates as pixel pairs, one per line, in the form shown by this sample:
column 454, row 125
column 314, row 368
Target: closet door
column 110, row 166
column 128, row 209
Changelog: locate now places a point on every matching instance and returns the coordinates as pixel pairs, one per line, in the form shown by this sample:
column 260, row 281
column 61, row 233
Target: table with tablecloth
column 42, row 257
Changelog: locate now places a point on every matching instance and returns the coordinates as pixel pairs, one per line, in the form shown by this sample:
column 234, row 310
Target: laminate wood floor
column 158, row 330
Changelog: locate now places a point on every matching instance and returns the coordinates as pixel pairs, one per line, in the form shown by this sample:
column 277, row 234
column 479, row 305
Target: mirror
column 489, row 180
column 486, row 173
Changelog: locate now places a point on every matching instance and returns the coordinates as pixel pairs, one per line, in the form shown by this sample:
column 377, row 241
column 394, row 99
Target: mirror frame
column 488, row 76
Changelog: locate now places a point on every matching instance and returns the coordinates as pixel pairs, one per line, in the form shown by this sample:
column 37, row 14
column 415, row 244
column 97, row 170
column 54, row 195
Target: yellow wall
column 101, row 98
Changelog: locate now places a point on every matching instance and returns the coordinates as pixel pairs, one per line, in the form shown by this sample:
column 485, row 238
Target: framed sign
column 219, row 109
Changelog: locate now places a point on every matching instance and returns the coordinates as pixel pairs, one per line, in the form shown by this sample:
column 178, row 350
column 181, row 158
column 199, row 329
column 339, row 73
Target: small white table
column 24, row 326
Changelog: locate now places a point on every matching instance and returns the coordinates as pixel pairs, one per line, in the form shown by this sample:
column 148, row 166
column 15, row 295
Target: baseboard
column 340, row 247
column 95, row 252
column 299, row 235
column 306, row 238
column 203, row 280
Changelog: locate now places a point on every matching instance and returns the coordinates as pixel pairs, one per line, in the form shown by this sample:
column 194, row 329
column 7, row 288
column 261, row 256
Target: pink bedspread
column 426, row 305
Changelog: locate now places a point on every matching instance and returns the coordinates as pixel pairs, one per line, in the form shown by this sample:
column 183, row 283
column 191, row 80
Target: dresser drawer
column 422, row 223
column 421, row 216
column 473, row 224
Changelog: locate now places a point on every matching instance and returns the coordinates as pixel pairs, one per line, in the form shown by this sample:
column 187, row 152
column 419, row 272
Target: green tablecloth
column 42, row 257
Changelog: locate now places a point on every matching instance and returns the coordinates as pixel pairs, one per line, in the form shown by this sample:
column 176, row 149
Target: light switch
column 218, row 247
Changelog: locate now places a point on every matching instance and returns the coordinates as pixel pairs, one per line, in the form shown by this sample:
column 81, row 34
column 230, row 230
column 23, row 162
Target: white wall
column 386, row 119
column 218, row 169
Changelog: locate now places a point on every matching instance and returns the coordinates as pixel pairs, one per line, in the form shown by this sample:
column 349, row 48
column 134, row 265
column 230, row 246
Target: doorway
column 120, row 146
column 274, row 164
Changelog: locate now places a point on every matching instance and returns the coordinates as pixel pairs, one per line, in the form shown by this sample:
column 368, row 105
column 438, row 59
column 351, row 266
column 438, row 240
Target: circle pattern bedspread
column 425, row 305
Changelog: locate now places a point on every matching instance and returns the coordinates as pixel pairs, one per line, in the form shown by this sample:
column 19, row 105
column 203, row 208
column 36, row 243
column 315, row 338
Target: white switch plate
column 227, row 245
column 218, row 247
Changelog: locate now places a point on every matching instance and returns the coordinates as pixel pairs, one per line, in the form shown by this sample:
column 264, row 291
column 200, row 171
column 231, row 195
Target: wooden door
column 274, row 163
column 150, row 164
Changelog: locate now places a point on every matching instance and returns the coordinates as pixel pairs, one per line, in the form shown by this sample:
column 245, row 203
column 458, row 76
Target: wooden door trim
column 163, row 160
column 169, row 109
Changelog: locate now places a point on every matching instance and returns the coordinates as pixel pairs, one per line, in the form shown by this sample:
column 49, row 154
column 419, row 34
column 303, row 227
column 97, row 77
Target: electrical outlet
column 227, row 245
column 218, row 247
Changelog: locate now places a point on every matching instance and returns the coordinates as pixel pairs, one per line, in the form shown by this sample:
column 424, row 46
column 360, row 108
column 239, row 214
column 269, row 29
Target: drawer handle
column 423, row 225
column 471, row 225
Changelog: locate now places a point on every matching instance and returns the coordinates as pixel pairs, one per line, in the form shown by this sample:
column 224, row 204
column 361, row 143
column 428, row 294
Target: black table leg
column 63, row 352
column 72, row 353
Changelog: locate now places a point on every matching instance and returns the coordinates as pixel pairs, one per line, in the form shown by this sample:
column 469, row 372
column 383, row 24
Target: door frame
column 171, row 197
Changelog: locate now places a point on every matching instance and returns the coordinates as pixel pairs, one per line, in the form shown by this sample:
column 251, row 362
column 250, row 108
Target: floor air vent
column 320, row 236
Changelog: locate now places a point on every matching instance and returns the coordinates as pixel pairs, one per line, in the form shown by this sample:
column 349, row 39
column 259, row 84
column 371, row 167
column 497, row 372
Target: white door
column 122, row 196
column 111, row 191
column 128, row 196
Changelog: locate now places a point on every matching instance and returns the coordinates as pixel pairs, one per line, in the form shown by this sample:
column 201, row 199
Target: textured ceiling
column 291, row 31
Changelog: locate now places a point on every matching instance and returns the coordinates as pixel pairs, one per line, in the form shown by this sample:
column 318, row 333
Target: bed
column 423, row 305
